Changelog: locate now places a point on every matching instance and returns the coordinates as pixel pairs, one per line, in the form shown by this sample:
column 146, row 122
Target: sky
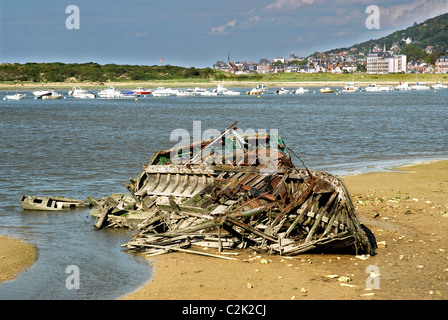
column 193, row 32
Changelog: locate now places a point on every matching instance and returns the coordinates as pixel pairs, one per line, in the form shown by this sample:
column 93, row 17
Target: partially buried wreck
column 235, row 191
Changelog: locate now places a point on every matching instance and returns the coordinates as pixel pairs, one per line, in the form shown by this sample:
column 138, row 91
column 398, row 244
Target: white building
column 381, row 63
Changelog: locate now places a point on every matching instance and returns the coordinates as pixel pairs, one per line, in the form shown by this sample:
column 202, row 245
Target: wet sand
column 15, row 257
column 406, row 209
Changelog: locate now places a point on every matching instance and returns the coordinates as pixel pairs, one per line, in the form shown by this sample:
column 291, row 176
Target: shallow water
column 77, row 148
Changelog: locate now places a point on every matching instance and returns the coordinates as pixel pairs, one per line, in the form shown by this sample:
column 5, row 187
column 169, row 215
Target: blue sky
column 192, row 32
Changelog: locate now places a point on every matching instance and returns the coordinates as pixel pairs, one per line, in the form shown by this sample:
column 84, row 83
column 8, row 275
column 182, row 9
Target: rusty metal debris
column 199, row 195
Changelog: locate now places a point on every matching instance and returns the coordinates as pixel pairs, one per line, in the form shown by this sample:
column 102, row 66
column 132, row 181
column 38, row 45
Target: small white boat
column 439, row 85
column 282, row 91
column 162, row 92
column 79, row 93
column 224, row 91
column 350, row 87
column 326, row 90
column 185, row 93
column 300, row 90
column 39, row 93
column 110, row 93
column 403, row 87
column 52, row 96
column 17, row 96
column 378, row 88
column 420, row 86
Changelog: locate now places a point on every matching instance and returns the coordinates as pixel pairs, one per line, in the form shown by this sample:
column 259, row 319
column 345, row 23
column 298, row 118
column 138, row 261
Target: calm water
column 77, row 148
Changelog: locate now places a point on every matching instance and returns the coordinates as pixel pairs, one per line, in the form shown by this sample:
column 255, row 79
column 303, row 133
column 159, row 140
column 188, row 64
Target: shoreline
column 16, row 256
column 180, row 84
column 406, row 209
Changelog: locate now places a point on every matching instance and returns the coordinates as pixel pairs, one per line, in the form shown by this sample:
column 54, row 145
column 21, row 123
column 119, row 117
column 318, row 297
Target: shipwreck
column 235, row 191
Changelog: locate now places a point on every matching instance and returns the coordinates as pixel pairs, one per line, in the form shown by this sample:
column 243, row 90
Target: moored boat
column 420, row 86
column 403, row 86
column 110, row 93
column 141, row 91
column 326, row 90
column 282, row 91
column 300, row 90
column 17, row 96
column 52, row 96
column 162, row 92
column 439, row 85
column 77, row 92
column 350, row 87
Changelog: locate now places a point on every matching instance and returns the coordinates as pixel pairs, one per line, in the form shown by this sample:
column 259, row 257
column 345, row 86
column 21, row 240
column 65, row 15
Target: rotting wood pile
column 198, row 195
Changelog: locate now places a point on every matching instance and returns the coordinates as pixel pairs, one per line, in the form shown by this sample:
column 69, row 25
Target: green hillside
column 432, row 32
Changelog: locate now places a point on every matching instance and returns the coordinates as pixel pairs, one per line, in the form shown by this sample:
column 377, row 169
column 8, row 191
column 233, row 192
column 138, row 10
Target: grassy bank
column 230, row 80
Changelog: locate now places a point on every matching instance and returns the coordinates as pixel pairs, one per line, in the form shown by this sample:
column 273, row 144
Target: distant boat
column 79, row 93
column 420, row 86
column 326, row 90
column 262, row 88
column 52, row 96
column 300, row 91
column 378, row 88
column 222, row 90
column 350, row 87
column 17, row 96
column 439, row 85
column 110, row 93
column 162, row 92
column 403, row 87
column 141, row 90
column 253, row 92
column 185, row 93
column 282, row 91
column 40, row 93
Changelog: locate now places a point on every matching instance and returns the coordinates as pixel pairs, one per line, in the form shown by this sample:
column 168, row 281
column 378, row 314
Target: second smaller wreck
column 236, row 191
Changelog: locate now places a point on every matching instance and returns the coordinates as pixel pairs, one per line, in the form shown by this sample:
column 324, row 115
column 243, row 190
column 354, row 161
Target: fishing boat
column 110, row 93
column 300, row 90
column 185, row 93
column 17, row 96
column 78, row 93
column 350, row 87
column 141, row 91
column 439, row 85
column 52, row 96
column 282, row 91
column 51, row 203
column 224, row 91
column 326, row 90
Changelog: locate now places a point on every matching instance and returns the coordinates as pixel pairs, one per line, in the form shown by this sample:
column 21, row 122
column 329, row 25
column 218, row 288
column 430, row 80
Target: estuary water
column 79, row 148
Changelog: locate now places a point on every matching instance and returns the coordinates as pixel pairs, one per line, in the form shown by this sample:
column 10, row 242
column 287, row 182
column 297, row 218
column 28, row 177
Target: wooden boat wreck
column 51, row 203
column 257, row 198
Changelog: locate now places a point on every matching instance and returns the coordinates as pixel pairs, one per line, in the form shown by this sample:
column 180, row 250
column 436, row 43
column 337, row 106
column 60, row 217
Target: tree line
column 94, row 72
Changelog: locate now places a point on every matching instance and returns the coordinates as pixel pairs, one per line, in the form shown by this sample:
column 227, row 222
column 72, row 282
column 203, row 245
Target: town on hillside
column 377, row 60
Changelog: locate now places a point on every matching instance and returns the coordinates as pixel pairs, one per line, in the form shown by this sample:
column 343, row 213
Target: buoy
column 435, row 91
column 337, row 93
column 258, row 96
column 136, row 99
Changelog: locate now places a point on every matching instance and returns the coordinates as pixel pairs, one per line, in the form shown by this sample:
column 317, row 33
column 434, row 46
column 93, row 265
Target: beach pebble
column 303, row 290
column 381, row 244
column 362, row 257
column 332, row 276
column 249, row 286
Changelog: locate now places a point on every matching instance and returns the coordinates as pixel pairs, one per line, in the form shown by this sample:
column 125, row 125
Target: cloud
column 255, row 18
column 140, row 34
column 402, row 14
column 224, row 28
column 288, row 4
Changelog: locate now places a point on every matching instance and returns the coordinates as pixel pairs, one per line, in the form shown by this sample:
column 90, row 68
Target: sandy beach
column 406, row 209
column 15, row 257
